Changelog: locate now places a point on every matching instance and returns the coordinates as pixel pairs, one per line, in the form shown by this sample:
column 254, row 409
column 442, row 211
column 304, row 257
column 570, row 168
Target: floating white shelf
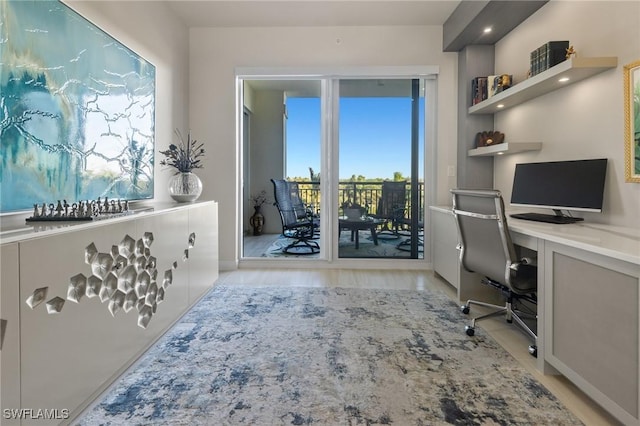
column 505, row 149
column 575, row 69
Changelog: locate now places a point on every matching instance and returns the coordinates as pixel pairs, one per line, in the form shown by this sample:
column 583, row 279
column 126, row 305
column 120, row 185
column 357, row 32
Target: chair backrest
column 296, row 201
column 288, row 202
column 486, row 246
column 393, row 200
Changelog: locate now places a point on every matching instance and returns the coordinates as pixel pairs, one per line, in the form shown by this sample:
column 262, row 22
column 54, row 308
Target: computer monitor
column 560, row 185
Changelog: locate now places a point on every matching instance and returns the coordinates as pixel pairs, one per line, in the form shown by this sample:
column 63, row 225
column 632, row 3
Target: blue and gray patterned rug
column 330, row 356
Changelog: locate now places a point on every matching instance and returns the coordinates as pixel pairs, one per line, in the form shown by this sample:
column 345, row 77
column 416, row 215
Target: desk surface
column 613, row 241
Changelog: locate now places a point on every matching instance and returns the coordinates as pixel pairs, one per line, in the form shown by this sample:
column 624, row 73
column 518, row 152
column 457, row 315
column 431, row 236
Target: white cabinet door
column 445, row 241
column 592, row 333
column 203, row 255
column 10, row 330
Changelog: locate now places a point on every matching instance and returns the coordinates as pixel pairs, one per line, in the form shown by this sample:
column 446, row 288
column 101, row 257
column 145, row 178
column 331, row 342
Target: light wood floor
column 507, row 335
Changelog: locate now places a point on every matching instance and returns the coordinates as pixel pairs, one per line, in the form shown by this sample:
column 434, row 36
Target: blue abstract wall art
column 77, row 110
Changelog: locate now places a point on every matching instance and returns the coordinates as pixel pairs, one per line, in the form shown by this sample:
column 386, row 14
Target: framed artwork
column 77, row 110
column 632, row 121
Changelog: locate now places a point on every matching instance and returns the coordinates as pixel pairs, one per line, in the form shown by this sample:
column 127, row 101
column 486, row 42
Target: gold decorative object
column 571, row 52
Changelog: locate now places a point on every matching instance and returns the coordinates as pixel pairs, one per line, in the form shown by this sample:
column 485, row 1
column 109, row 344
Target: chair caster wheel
column 464, row 309
column 533, row 350
column 469, row 330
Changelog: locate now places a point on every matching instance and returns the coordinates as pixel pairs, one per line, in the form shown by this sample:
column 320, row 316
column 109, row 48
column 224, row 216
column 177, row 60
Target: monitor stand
column 558, row 217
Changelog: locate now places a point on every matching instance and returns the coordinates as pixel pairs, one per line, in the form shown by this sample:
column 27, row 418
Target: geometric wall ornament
column 94, row 285
column 116, row 302
column 142, row 284
column 90, row 252
column 125, row 277
column 144, row 316
column 147, row 239
column 140, row 263
column 160, row 296
column 129, row 301
column 127, row 246
column 168, row 278
column 139, row 250
column 109, row 286
column 77, row 288
column 37, row 297
column 54, row 306
column 151, row 264
column 101, row 265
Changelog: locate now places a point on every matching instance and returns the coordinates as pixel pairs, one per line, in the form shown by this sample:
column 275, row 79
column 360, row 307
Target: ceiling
column 311, row 13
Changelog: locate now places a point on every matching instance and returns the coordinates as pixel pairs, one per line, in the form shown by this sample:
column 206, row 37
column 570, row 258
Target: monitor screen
column 560, row 185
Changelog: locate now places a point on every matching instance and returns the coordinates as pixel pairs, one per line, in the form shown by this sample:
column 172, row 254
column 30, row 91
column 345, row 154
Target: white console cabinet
column 93, row 297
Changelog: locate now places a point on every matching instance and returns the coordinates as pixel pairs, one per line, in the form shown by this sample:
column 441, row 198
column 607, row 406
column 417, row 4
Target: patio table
column 356, row 225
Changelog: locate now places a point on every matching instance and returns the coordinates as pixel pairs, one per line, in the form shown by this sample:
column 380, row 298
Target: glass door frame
column 330, row 78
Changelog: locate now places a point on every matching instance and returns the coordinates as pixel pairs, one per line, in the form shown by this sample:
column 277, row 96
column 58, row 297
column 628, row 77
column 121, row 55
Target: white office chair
column 486, row 248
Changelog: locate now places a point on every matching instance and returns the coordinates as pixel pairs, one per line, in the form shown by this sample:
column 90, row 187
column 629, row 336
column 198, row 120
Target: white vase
column 185, row 187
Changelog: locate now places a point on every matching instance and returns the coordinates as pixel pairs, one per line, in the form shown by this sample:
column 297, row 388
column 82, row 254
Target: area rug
column 326, row 356
column 347, row 249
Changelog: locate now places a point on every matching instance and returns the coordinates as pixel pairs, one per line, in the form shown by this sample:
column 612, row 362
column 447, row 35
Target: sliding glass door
column 380, row 192
column 281, row 145
column 351, row 152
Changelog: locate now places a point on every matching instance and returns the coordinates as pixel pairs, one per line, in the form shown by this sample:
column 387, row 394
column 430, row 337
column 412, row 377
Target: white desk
column 588, row 303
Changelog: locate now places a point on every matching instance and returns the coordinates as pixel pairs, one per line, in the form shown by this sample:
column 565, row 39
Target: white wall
column 266, row 159
column 151, row 30
column 583, row 120
column 216, row 52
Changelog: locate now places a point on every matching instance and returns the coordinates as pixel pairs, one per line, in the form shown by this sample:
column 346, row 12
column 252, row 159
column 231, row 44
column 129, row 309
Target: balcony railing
column 366, row 194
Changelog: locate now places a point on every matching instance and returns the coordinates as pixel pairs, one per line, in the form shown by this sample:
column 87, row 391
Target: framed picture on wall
column 77, row 110
column 632, row 121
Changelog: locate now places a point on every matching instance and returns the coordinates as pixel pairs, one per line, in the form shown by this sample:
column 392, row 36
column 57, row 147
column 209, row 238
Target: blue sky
column 375, row 136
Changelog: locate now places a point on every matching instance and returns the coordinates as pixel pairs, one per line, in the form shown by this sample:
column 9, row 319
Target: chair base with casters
column 511, row 314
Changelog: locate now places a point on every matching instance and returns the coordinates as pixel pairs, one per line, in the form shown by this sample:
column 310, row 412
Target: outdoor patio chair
column 391, row 208
column 302, row 209
column 298, row 222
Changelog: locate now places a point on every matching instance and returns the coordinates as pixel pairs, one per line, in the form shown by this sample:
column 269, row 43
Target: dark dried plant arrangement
column 259, row 199
column 183, row 156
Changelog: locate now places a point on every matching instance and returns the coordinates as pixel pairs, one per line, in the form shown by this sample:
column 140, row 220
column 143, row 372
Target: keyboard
column 548, row 218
